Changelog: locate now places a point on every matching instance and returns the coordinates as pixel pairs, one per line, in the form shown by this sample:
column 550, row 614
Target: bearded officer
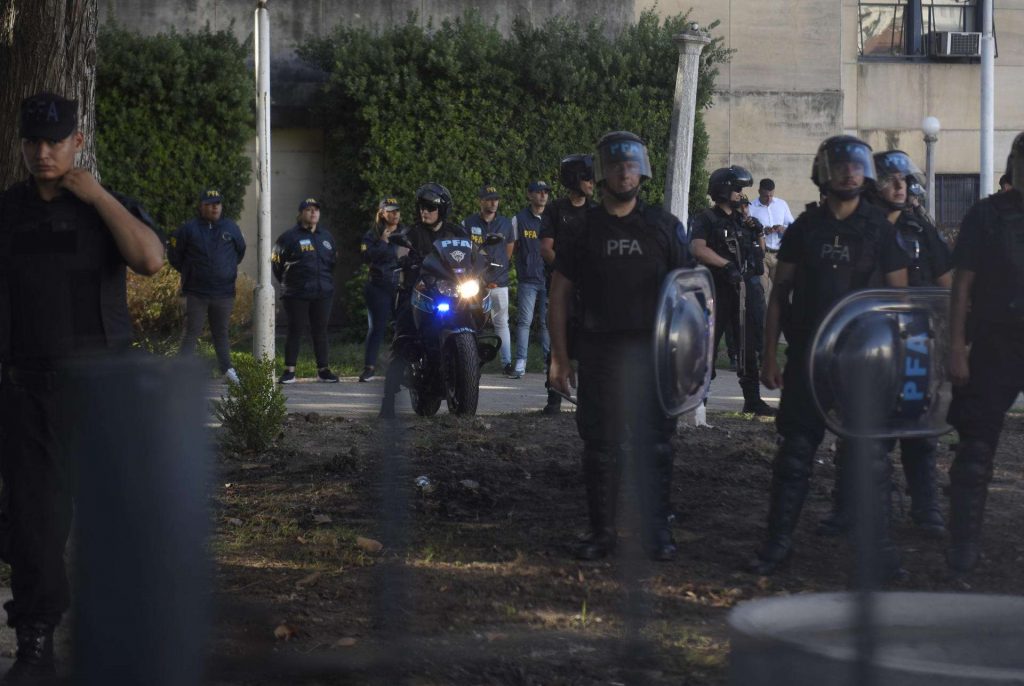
column 830, row 251
column 989, row 284
column 617, row 261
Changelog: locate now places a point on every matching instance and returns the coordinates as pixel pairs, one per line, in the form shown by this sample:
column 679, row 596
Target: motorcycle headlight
column 446, row 288
column 469, row 289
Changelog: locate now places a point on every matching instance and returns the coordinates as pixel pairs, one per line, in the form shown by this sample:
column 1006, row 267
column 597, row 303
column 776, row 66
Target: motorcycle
column 450, row 305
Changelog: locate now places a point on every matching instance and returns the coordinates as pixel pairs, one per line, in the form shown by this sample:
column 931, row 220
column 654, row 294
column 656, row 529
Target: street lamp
column 930, row 127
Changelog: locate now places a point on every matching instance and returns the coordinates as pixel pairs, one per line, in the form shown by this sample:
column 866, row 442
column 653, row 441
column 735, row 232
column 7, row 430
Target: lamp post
column 930, row 127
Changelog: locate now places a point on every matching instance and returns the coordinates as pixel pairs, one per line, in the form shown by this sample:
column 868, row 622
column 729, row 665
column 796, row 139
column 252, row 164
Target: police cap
column 48, row 116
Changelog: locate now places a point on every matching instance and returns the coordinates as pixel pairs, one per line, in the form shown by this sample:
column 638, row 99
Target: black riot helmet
column 434, row 196
column 840, row 159
column 723, row 182
column 574, row 169
column 896, row 164
column 621, row 147
column 1015, row 163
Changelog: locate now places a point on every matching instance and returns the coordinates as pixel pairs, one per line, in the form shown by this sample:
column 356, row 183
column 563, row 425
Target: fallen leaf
column 470, row 484
column 582, row 580
column 300, row 539
column 308, row 580
column 492, row 636
column 245, row 466
column 369, row 545
column 322, row 519
column 346, row 642
column 235, row 521
column 285, row 632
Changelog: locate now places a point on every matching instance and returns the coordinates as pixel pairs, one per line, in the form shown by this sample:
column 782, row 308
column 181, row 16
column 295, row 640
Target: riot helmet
column 890, row 166
column 434, row 196
column 574, row 169
column 724, row 182
column 843, row 167
column 621, row 149
column 1015, row 163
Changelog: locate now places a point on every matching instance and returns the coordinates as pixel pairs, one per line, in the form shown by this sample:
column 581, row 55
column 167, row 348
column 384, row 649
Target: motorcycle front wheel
column 423, row 404
column 461, row 374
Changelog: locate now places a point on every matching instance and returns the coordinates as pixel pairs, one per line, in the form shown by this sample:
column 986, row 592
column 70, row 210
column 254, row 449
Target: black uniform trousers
column 727, row 318
column 307, row 315
column 36, row 423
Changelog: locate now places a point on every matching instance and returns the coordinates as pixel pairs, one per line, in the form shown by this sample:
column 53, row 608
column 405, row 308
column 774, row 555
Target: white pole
column 929, row 165
column 263, row 301
column 987, row 100
column 684, row 113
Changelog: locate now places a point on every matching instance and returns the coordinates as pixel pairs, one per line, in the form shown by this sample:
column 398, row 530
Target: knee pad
column 795, row 457
column 973, row 463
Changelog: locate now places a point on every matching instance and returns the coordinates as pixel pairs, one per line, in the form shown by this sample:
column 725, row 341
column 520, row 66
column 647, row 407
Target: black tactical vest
column 729, row 239
column 912, row 239
column 623, row 262
column 999, row 292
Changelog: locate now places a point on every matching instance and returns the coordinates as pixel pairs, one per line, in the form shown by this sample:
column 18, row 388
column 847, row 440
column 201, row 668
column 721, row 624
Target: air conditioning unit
column 956, row 44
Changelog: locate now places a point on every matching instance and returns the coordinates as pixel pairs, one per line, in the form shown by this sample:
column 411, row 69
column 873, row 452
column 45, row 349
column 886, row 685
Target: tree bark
column 46, row 45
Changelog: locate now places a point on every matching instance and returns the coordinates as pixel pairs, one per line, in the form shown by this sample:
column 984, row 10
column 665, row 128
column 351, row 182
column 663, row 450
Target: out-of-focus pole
column 263, row 302
column 684, row 112
column 930, row 126
column 988, row 54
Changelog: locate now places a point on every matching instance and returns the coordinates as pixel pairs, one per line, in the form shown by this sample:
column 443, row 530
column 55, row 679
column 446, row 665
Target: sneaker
column 287, row 377
column 511, row 373
column 231, row 376
column 325, row 376
column 367, row 374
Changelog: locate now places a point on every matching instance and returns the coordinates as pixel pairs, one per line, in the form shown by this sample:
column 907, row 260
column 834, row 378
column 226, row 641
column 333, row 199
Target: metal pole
column 987, row 100
column 929, row 165
column 263, row 300
column 684, row 113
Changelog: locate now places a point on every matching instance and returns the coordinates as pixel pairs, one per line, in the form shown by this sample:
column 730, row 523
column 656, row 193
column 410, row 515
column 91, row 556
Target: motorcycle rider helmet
column 1015, row 162
column 724, row 182
column 621, row 147
column 434, row 196
column 839, row 162
column 574, row 169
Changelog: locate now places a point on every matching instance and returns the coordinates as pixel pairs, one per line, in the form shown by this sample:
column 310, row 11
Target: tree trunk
column 46, row 45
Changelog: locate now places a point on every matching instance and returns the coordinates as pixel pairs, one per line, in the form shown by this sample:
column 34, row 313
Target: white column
column 684, row 112
column 263, row 302
column 987, row 127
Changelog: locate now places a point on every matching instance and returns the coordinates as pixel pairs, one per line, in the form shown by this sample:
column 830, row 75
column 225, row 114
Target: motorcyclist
column 433, row 205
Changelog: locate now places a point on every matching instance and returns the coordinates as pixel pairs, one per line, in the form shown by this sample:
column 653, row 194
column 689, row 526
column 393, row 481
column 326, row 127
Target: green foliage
column 463, row 105
column 174, row 115
column 252, row 411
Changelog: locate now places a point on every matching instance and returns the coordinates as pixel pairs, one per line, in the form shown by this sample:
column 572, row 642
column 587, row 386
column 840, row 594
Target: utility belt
column 771, row 251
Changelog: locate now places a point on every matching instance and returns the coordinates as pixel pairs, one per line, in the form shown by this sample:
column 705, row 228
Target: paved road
column 497, row 395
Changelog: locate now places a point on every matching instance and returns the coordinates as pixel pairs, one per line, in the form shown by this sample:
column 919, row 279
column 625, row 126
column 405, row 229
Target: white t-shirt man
column 773, row 213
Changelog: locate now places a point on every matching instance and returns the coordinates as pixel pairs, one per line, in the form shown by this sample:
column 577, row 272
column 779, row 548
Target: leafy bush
column 463, row 105
column 174, row 114
column 252, row 411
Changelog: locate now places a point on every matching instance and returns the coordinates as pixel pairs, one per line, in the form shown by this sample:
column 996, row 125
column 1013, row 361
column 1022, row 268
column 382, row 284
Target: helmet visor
column 846, row 165
column 897, row 165
column 621, row 155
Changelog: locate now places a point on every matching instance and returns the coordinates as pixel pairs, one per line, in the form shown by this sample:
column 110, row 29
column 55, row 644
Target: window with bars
column 919, row 29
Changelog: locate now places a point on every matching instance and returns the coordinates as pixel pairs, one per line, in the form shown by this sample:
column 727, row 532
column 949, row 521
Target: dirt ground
column 475, row 583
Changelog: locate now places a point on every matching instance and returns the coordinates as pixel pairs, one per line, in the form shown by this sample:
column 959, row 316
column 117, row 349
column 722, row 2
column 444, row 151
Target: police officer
column 720, row 241
column 560, row 220
column 986, row 309
column 64, row 244
column 828, row 252
column 381, row 256
column 433, row 205
column 617, row 260
column 531, row 288
column 207, row 250
column 303, row 262
column 756, row 304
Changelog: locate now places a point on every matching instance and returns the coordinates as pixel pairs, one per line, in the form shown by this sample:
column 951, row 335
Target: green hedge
column 174, row 114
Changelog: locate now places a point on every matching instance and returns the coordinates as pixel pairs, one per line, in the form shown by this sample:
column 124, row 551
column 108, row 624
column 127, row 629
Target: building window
column 919, row 29
column 954, row 195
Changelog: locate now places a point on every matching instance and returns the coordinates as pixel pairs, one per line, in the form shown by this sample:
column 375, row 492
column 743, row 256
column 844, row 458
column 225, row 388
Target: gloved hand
column 732, row 272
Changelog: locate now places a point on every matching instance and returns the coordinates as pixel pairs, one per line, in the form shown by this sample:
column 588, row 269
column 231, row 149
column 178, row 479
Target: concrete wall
column 796, row 78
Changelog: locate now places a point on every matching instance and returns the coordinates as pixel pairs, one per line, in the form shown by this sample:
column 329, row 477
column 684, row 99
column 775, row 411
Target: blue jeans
column 531, row 295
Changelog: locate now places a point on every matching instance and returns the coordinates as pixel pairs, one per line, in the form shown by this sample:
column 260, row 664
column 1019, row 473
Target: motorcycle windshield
column 455, row 253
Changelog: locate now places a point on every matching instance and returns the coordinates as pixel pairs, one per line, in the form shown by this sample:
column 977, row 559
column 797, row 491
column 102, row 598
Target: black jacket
column 381, row 256
column 303, row 262
column 207, row 255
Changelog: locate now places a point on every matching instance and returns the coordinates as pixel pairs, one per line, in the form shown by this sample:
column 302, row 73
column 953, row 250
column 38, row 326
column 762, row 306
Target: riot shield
column 878, row 364
column 684, row 339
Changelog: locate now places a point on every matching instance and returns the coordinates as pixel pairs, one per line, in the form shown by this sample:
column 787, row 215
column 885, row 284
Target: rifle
column 733, row 243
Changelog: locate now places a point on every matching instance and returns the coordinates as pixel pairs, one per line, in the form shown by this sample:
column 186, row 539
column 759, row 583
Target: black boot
column 968, row 490
column 601, row 477
column 554, row 405
column 918, row 457
column 791, row 474
column 34, row 664
column 660, row 544
column 837, row 522
column 752, row 402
